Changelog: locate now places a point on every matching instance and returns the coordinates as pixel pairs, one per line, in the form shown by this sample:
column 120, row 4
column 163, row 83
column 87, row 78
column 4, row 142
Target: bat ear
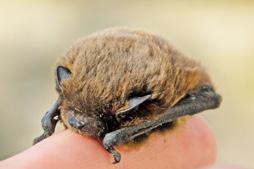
column 62, row 73
column 133, row 103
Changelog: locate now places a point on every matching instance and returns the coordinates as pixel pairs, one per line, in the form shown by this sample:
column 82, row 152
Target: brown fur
column 107, row 67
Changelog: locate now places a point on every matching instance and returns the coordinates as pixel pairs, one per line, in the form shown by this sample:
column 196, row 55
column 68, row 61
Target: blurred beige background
column 220, row 34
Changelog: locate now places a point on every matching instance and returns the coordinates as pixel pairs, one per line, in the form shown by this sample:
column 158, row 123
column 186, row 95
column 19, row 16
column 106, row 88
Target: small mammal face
column 121, row 78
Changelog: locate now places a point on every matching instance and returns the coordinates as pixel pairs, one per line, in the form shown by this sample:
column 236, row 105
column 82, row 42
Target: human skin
column 190, row 145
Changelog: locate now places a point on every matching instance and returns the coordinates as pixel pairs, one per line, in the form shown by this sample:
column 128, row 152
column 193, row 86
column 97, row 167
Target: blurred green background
column 220, row 34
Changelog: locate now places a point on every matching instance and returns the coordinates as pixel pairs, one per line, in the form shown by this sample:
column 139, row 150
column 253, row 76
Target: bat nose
column 76, row 123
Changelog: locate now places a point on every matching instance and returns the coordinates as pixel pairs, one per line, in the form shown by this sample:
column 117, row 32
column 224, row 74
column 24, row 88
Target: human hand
column 188, row 146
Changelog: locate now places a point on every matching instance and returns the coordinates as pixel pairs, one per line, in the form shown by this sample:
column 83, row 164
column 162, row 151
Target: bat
column 122, row 84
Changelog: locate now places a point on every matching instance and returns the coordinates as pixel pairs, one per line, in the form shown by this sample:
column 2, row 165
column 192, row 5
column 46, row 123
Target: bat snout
column 75, row 123
column 85, row 124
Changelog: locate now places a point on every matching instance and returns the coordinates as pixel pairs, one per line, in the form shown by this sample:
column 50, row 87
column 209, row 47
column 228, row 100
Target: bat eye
column 207, row 88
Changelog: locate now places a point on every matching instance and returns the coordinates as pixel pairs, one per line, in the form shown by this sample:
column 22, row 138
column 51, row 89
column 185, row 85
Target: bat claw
column 117, row 157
